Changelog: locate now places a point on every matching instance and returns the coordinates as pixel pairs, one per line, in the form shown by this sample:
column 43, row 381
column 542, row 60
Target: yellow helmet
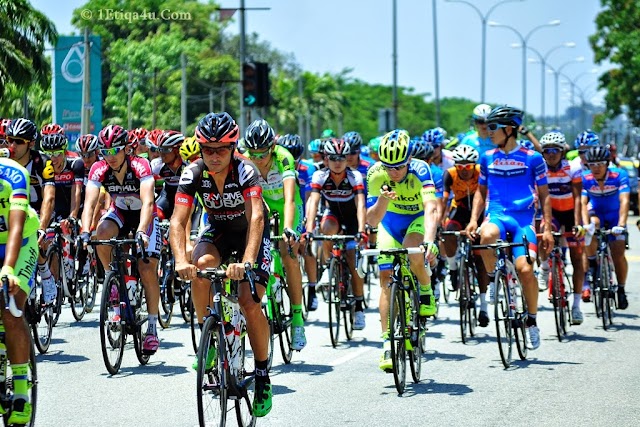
column 189, row 148
column 394, row 148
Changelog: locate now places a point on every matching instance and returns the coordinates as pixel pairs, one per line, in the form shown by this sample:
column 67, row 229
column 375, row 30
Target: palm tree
column 23, row 34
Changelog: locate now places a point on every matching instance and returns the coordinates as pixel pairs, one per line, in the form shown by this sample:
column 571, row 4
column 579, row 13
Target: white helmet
column 465, row 154
column 553, row 139
column 481, row 112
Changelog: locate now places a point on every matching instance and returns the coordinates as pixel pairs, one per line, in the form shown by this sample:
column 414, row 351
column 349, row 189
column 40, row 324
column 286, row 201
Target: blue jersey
column 363, row 168
column 607, row 198
column 511, row 179
column 305, row 170
column 438, row 182
column 481, row 144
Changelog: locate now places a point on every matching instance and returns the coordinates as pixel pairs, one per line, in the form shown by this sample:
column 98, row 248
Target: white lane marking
column 347, row 357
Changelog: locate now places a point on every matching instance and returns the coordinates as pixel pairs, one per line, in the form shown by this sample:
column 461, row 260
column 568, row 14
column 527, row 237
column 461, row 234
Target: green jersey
column 14, row 195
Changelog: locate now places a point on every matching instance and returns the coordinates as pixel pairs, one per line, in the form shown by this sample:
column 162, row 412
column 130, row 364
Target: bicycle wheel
column 597, row 300
column 349, row 309
column 605, row 290
column 417, row 338
column 92, row 284
column 271, row 340
column 471, row 306
column 185, row 301
column 211, row 383
column 504, row 332
column 520, row 321
column 565, row 285
column 79, row 289
column 55, row 256
column 40, row 317
column 112, row 333
column 6, row 397
column 245, row 379
column 397, row 338
column 142, row 316
column 334, row 301
column 367, row 284
column 556, row 297
column 283, row 318
column 167, row 298
column 464, row 300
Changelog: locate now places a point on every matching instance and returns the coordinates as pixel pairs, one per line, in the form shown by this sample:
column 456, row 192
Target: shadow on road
column 587, row 338
column 300, row 368
column 519, row 364
column 60, row 357
column 433, row 354
column 281, row 389
column 429, row 387
column 152, row 368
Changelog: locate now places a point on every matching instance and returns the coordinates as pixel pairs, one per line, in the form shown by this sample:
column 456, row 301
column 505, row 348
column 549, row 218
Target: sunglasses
column 337, row 158
column 111, row 151
column 582, row 152
column 55, row 153
column 4, row 141
column 88, row 155
column 597, row 164
column 551, row 151
column 480, row 122
column 395, row 168
column 218, row 151
column 466, row 166
column 258, row 155
column 495, row 126
column 165, row 150
column 17, row 141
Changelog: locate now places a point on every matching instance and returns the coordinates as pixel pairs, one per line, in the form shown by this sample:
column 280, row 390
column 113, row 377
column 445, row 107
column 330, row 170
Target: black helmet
column 293, row 143
column 354, row 139
column 217, row 127
column 54, row 142
column 506, row 115
column 259, row 135
column 598, row 154
column 23, row 129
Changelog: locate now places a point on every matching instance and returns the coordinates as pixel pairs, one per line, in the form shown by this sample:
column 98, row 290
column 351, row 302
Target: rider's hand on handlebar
column 471, row 229
column 145, row 238
column 290, row 236
column 84, row 238
column 14, row 282
column 618, row 230
column 431, row 251
column 235, row 271
column 362, row 238
column 186, row 271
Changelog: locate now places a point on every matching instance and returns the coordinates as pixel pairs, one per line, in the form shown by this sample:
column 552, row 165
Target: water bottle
column 131, row 283
column 277, row 288
column 3, row 356
column 68, row 259
column 233, row 330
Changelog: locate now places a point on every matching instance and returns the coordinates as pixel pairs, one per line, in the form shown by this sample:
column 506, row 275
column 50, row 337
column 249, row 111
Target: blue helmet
column 434, row 137
column 418, row 148
column 315, row 146
column 587, row 138
column 527, row 144
column 354, row 139
column 365, row 150
column 293, row 143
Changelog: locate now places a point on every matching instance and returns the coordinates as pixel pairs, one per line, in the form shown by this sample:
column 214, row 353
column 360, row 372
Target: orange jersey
column 561, row 182
column 463, row 190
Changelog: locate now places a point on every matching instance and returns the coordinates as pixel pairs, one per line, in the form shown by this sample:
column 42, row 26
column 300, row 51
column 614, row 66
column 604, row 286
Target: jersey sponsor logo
column 12, row 174
column 420, row 168
column 47, row 171
column 507, row 164
column 140, row 168
column 127, row 188
column 182, row 200
column 64, row 177
column 187, row 178
column 245, row 172
column 404, row 198
column 206, row 184
column 228, row 200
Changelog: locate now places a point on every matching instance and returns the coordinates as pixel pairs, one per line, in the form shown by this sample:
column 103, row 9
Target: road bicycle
column 559, row 285
column 225, row 367
column 604, row 286
column 166, row 275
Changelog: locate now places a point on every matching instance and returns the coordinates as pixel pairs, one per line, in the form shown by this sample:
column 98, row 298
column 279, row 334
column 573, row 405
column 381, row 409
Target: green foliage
column 617, row 40
column 38, row 103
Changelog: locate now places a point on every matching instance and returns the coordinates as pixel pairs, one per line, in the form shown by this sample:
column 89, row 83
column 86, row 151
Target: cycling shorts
column 298, row 226
column 227, row 242
column 564, row 220
column 518, row 225
column 164, row 206
column 128, row 221
column 459, row 218
column 26, row 263
column 391, row 234
column 348, row 225
column 607, row 220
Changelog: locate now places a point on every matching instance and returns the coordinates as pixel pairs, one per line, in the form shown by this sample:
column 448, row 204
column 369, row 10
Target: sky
column 331, row 35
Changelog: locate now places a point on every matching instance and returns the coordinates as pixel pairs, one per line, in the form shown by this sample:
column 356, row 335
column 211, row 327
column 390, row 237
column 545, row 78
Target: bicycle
column 371, row 267
column 407, row 330
column 604, row 289
column 39, row 316
column 123, row 310
column 467, row 280
column 340, row 289
column 166, row 274
column 510, row 306
column 229, row 376
column 6, row 376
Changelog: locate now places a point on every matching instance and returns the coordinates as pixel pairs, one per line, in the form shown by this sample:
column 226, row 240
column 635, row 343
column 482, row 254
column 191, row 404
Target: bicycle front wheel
column 40, row 317
column 245, row 378
column 334, row 301
column 397, row 338
column 417, row 337
column 605, row 291
column 79, row 298
column 167, row 297
column 520, row 321
column 556, row 298
column 92, row 284
column 504, row 331
column 112, row 333
column 464, row 300
column 193, row 324
column 211, row 386
column 284, row 317
column 349, row 305
column 141, row 318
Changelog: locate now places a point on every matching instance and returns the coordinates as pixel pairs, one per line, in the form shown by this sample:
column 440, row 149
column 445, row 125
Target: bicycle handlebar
column 501, row 244
column 333, row 238
column 219, row 273
column 11, row 303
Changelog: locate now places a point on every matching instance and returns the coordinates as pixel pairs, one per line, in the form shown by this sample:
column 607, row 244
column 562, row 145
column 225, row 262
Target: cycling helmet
column 418, row 148
column 328, row 133
column 587, row 138
column 170, row 139
column 394, row 148
column 374, row 144
column 113, row 136
column 481, row 112
column 428, row 151
column 434, row 137
column 189, row 148
column 465, row 154
column 527, row 144
column 259, row 135
column 293, row 143
column 4, row 124
column 51, row 128
column 54, row 142
column 506, row 115
column 365, row 151
column 87, row 143
column 217, row 127
column 354, row 139
column 598, row 153
column 553, row 140
column 336, row 146
column 22, row 128
column 137, row 136
column 314, row 146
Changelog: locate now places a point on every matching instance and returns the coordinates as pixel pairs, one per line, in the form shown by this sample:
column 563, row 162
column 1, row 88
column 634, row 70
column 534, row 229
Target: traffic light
column 255, row 84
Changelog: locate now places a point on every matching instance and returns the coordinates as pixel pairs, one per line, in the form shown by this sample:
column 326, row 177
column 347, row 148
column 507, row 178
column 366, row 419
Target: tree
column 38, row 103
column 617, row 40
column 23, row 35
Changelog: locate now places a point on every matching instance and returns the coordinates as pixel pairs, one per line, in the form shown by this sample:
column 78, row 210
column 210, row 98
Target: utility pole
column 223, row 99
column 155, row 104
column 435, row 62
column 394, row 92
column 243, row 54
column 85, row 120
column 183, row 95
column 129, row 96
column 210, row 99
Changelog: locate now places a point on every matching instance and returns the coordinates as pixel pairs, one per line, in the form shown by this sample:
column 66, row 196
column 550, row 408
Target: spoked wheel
column 417, row 339
column 397, row 338
column 54, row 256
column 446, row 292
column 556, row 299
column 112, row 333
column 367, row 284
column 465, row 301
column 565, row 285
column 349, row 312
column 597, row 297
column 520, row 326
column 167, row 297
column 92, row 284
column 211, row 386
column 40, row 318
column 305, row 307
column 284, row 316
column 504, row 331
column 605, row 295
column 6, row 397
column 193, row 325
column 185, row 301
column 79, row 298
column 142, row 316
column 244, row 411
column 334, row 301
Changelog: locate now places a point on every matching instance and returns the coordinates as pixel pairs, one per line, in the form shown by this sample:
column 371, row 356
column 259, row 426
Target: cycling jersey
column 170, row 180
column 340, row 197
column 446, row 160
column 606, row 198
column 481, row 144
column 283, row 167
column 363, row 168
column 437, row 175
column 511, row 178
column 72, row 174
column 561, row 180
column 125, row 196
column 576, row 163
column 41, row 174
column 305, row 171
column 463, row 190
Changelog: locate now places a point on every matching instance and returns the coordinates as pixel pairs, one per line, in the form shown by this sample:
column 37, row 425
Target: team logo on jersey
column 245, row 172
column 187, row 177
column 47, row 172
column 507, row 164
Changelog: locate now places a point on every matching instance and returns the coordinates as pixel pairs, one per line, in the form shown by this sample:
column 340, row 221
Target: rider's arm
column 624, row 209
column 478, row 203
column 148, row 200
column 178, row 231
column 254, row 210
column 14, row 239
column 290, row 189
column 448, row 181
column 430, row 205
column 46, row 210
column 576, row 188
column 376, row 212
column 361, row 210
column 545, row 202
column 91, row 196
column 76, row 194
column 584, row 201
column 312, row 210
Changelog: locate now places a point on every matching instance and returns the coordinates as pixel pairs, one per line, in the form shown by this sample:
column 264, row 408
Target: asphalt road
column 590, row 379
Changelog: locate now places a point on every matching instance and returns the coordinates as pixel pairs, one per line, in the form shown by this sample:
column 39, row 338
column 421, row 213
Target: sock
column 531, row 320
column 426, row 289
column 297, row 319
column 576, row 299
column 200, row 326
column 261, row 371
column 451, row 260
column 20, row 385
column 621, row 288
column 359, row 301
column 151, row 325
column 44, row 271
column 483, row 302
column 312, row 286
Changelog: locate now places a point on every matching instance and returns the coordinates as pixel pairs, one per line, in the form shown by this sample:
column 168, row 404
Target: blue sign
column 68, row 76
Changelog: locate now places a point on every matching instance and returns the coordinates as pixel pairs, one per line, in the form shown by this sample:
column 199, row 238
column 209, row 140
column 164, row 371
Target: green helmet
column 328, row 133
column 374, row 144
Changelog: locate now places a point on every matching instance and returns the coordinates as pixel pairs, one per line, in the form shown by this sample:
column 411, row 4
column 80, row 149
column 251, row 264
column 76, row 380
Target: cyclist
column 583, row 142
column 129, row 181
column 279, row 190
column 4, row 124
column 138, row 142
column 461, row 181
column 168, row 170
column 508, row 177
column 565, row 186
column 354, row 160
column 315, row 151
column 374, row 145
column 480, row 139
column 21, row 136
column 605, row 203
column 88, row 147
column 190, row 150
column 150, row 148
column 230, row 189
column 18, row 253
column 441, row 157
column 401, row 203
column 343, row 190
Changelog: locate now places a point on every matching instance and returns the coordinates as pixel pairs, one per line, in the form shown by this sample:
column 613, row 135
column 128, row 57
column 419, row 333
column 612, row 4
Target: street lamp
column 524, row 40
column 543, row 61
column 484, row 18
column 556, row 73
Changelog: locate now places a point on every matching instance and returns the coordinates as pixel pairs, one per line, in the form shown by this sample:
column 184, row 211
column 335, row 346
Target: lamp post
column 556, row 73
column 394, row 90
column 484, row 18
column 543, row 61
column 524, row 40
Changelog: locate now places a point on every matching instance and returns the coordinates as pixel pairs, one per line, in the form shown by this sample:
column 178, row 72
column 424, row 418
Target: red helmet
column 217, row 127
column 152, row 137
column 52, row 129
column 4, row 124
column 87, row 143
column 113, row 136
